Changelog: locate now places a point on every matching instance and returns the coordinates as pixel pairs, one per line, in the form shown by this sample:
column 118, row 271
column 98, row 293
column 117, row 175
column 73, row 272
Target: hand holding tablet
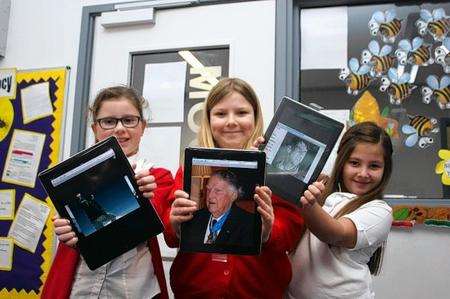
column 222, row 182
column 97, row 192
column 298, row 142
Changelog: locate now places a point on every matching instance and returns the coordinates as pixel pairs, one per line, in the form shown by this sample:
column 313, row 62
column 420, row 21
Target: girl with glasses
column 138, row 273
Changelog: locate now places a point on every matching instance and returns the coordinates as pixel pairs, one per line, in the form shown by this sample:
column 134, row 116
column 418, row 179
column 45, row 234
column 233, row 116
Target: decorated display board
column 408, row 215
column 31, row 126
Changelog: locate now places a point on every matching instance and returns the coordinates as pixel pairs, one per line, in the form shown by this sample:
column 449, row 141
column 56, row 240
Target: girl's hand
column 263, row 199
column 260, row 140
column 312, row 195
column 146, row 183
column 323, row 177
column 182, row 210
column 64, row 232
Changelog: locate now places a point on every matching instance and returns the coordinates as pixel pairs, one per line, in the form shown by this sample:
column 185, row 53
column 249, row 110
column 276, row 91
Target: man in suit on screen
column 222, row 222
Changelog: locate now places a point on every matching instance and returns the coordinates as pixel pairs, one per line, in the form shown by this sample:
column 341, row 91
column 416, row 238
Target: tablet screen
column 293, row 153
column 299, row 141
column 96, row 190
column 96, row 193
column 222, row 183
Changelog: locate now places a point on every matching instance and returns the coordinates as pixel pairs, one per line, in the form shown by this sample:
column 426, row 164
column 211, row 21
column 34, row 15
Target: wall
column 43, row 34
column 46, row 33
column 251, row 56
column 416, row 264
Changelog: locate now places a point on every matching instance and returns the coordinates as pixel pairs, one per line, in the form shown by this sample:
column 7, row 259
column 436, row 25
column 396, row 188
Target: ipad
column 96, row 191
column 299, row 140
column 223, row 182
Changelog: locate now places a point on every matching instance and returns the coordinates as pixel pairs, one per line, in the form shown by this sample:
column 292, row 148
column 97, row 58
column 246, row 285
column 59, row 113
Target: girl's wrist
column 309, row 206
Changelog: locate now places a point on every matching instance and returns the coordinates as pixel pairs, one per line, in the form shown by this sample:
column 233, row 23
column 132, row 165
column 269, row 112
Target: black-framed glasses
column 108, row 123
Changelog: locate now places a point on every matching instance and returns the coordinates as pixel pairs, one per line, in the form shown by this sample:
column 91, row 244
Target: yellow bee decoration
column 379, row 59
column 397, row 87
column 418, row 131
column 6, row 118
column 357, row 78
column 438, row 90
column 386, row 24
column 367, row 109
column 415, row 53
column 436, row 23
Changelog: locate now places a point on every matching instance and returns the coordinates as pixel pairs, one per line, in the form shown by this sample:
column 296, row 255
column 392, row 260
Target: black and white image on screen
column 293, row 153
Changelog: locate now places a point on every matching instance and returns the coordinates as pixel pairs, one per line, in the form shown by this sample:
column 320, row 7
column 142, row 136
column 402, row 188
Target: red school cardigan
column 58, row 284
column 198, row 275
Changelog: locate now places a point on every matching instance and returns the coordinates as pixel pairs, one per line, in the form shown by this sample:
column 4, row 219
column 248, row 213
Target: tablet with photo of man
column 227, row 220
column 222, row 220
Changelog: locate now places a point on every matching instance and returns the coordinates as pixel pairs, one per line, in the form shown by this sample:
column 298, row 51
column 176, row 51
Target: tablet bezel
column 120, row 235
column 259, row 179
column 286, row 186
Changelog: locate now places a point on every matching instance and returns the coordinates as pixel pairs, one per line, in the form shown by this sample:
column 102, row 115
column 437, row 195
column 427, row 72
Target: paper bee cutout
column 379, row 59
column 436, row 23
column 415, row 53
column 386, row 24
column 438, row 90
column 418, row 131
column 442, row 56
column 357, row 78
column 398, row 88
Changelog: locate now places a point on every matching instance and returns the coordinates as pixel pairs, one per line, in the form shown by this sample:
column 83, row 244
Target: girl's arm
column 288, row 226
column 156, row 186
column 170, row 235
column 337, row 232
column 282, row 224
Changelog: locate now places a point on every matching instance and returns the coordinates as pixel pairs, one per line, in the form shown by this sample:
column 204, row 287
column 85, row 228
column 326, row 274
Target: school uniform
column 324, row 271
column 206, row 275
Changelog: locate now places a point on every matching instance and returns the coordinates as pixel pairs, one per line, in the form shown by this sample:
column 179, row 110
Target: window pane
column 330, row 37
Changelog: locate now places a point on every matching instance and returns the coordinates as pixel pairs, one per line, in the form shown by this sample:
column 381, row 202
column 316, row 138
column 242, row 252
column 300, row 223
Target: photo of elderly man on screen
column 226, row 218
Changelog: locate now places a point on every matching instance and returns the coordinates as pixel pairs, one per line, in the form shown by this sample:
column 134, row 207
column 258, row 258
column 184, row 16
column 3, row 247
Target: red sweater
column 196, row 275
column 62, row 272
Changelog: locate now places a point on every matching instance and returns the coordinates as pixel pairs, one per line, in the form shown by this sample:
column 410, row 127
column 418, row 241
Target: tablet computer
column 223, row 182
column 299, row 140
column 96, row 191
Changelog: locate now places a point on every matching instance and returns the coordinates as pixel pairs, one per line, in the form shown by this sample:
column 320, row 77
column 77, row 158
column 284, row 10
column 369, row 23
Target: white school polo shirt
column 130, row 275
column 323, row 271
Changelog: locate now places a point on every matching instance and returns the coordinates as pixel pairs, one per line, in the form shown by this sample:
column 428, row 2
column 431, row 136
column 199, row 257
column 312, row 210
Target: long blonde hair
column 222, row 89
